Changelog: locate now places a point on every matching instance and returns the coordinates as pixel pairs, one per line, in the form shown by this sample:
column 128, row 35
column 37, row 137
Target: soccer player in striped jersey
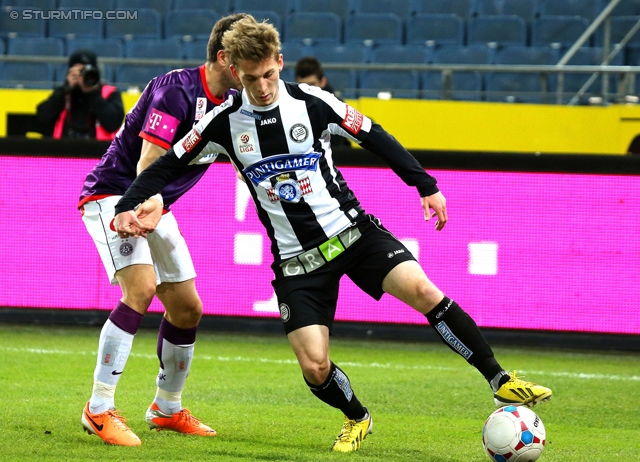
column 161, row 266
column 277, row 135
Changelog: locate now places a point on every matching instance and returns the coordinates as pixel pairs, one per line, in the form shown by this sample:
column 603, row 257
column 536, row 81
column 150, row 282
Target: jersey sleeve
column 201, row 141
column 342, row 119
column 347, row 121
column 168, row 108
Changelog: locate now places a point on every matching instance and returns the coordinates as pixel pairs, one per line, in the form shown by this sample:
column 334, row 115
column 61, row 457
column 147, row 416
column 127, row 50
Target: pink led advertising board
column 540, row 251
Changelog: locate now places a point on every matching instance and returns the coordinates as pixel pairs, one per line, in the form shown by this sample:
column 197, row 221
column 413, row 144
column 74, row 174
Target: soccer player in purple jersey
column 160, row 265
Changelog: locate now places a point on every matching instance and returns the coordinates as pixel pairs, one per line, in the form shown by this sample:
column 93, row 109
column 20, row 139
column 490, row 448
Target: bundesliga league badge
column 288, row 189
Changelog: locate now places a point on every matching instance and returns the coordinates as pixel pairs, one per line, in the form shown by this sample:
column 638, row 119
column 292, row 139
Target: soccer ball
column 513, row 434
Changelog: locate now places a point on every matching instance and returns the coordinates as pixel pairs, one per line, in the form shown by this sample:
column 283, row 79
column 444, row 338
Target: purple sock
column 126, row 318
column 174, row 335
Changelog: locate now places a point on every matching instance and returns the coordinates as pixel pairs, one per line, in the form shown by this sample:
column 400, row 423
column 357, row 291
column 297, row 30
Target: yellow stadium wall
column 461, row 126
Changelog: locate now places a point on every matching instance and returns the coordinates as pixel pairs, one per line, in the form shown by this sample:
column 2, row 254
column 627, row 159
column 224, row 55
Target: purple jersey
column 168, row 108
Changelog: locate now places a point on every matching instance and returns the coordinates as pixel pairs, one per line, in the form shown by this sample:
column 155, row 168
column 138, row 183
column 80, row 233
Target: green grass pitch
column 427, row 403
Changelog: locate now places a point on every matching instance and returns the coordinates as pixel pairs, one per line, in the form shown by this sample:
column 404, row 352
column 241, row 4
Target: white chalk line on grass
column 373, row 365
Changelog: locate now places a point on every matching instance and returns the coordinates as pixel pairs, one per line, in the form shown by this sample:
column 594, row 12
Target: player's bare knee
column 184, row 315
column 193, row 312
column 139, row 296
column 315, row 371
column 426, row 296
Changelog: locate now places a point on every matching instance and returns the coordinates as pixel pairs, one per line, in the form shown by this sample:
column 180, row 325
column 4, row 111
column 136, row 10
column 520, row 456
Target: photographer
column 83, row 107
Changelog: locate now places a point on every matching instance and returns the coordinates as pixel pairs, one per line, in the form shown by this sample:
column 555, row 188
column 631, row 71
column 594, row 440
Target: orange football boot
column 181, row 422
column 109, row 426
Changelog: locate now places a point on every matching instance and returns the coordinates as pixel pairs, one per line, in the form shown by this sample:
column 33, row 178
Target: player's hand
column 128, row 225
column 437, row 203
column 149, row 214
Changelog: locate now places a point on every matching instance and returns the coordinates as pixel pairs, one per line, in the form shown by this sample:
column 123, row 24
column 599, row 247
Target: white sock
column 176, row 360
column 113, row 351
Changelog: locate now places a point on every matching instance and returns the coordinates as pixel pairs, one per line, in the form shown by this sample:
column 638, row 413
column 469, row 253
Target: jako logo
column 268, row 121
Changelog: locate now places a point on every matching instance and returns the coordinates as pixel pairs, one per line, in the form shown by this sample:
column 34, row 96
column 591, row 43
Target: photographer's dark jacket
column 70, row 113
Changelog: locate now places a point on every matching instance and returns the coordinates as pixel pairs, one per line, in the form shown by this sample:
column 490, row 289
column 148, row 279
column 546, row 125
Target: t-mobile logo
column 154, row 120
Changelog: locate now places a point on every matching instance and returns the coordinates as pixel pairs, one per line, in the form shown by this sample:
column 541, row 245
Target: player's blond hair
column 252, row 41
column 215, row 39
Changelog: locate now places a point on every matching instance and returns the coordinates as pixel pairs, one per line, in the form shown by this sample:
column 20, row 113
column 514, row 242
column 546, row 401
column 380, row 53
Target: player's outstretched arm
column 437, row 203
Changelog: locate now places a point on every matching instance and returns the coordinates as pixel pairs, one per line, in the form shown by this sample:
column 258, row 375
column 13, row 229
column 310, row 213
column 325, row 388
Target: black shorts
column 311, row 298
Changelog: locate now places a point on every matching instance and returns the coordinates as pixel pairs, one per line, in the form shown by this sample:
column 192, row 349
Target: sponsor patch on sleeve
column 190, row 140
column 161, row 125
column 353, row 120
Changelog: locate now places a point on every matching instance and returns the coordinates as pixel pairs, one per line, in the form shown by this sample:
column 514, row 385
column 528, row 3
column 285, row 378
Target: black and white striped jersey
column 284, row 154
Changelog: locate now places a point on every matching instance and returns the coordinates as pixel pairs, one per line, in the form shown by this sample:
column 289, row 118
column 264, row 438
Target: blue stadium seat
column 293, row 51
column 588, row 9
column 221, row 6
column 401, row 8
column 504, row 30
column 586, row 56
column 195, row 49
column 42, row 46
column 102, row 5
column 405, row 54
column 627, row 8
column 3, row 47
column 313, row 28
column 401, row 84
column 153, row 49
column 103, row 47
column 20, row 27
column 270, row 16
column 443, row 29
column 376, row 28
column 282, row 7
column 511, row 87
column 521, row 86
column 463, row 86
column 161, row 6
column 473, row 54
column 44, row 5
column 148, row 25
column 72, row 27
column 340, row 7
column 338, row 53
column 632, row 55
column 344, row 82
column 564, row 30
column 526, row 9
column 463, row 8
column 137, row 75
column 195, row 24
column 26, row 75
column 620, row 25
column 527, row 55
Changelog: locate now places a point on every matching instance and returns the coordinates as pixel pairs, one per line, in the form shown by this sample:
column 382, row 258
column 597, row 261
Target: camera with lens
column 90, row 75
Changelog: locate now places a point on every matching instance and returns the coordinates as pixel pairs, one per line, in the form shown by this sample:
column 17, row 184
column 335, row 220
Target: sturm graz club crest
column 299, row 133
column 287, row 189
column 285, row 314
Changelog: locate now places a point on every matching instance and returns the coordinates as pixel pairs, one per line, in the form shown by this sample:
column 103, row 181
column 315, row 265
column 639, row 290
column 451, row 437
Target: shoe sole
column 86, row 426
column 529, row 403
column 156, row 427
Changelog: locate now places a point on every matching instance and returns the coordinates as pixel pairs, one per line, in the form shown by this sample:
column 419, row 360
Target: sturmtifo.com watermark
column 28, row 14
